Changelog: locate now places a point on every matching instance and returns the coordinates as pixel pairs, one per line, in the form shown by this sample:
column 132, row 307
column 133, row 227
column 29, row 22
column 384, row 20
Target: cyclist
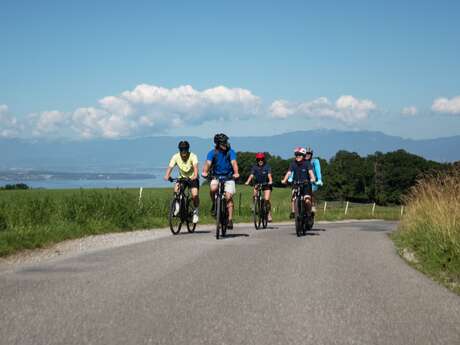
column 261, row 172
column 301, row 170
column 317, row 171
column 187, row 162
column 221, row 161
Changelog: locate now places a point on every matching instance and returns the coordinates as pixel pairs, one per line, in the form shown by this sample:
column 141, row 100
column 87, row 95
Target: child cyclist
column 187, row 162
column 317, row 172
column 301, row 170
column 261, row 172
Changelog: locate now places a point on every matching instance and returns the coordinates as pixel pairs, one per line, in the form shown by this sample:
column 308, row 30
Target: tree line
column 383, row 178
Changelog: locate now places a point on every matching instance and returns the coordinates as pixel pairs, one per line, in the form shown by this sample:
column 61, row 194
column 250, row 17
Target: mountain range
column 142, row 154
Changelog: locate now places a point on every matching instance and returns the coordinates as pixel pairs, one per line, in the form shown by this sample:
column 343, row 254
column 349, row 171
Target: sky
column 122, row 69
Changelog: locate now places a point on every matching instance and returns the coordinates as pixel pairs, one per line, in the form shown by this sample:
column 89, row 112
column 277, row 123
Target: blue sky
column 122, row 69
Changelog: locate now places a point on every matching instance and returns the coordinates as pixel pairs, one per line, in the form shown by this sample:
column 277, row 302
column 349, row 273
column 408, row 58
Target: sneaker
column 176, row 208
column 230, row 225
column 195, row 217
column 291, row 215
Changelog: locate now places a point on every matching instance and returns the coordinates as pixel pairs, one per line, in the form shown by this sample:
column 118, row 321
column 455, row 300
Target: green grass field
column 37, row 218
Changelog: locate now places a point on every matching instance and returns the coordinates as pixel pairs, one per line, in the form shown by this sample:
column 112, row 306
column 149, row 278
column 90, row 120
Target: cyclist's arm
column 168, row 173
column 195, row 172
column 286, row 176
column 270, row 178
column 206, row 166
column 312, row 176
column 236, row 174
column 249, row 179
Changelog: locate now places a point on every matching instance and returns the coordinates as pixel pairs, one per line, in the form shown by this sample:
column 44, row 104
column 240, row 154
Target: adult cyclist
column 261, row 172
column 301, row 170
column 220, row 162
column 317, row 172
column 187, row 162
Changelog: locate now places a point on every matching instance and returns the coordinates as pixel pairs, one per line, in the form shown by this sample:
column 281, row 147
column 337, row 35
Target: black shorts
column 267, row 187
column 305, row 190
column 192, row 183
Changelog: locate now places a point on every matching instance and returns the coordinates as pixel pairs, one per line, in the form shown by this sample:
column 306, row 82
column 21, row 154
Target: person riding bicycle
column 317, row 172
column 261, row 172
column 300, row 171
column 221, row 162
column 187, row 162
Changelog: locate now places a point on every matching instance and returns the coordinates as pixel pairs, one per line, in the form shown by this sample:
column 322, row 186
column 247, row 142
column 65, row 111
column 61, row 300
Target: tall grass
column 36, row 218
column 431, row 227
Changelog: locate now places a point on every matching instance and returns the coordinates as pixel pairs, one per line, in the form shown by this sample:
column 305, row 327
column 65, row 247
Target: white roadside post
column 140, row 195
column 325, row 206
column 346, row 208
column 373, row 209
column 402, row 210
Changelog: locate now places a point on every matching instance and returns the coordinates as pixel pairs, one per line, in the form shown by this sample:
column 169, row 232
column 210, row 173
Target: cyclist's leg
column 229, row 191
column 292, row 203
column 307, row 196
column 194, row 190
column 212, row 192
column 267, row 195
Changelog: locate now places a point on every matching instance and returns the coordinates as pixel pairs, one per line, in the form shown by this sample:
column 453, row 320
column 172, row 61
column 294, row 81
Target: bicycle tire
column 218, row 216
column 264, row 213
column 189, row 221
column 175, row 222
column 256, row 212
column 224, row 217
column 298, row 218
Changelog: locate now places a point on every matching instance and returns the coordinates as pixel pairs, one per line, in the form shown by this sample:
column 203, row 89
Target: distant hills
column 142, row 154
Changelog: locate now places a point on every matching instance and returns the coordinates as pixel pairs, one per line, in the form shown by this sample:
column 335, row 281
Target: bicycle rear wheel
column 190, row 224
column 256, row 212
column 218, row 216
column 175, row 221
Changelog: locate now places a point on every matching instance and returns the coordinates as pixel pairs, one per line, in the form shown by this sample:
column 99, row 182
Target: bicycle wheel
column 175, row 221
column 189, row 221
column 310, row 221
column 255, row 213
column 298, row 218
column 224, row 217
column 218, row 216
column 264, row 213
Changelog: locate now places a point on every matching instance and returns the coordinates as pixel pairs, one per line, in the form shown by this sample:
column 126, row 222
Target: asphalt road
column 342, row 284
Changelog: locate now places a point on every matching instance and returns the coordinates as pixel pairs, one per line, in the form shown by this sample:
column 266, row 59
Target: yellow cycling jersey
column 185, row 167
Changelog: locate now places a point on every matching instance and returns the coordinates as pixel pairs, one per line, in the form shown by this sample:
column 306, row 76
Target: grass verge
column 430, row 228
column 38, row 218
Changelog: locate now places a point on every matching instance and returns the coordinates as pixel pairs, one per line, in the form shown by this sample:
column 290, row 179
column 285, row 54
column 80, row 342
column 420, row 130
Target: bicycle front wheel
column 264, row 213
column 218, row 218
column 175, row 219
column 224, row 217
column 256, row 212
column 190, row 224
column 298, row 218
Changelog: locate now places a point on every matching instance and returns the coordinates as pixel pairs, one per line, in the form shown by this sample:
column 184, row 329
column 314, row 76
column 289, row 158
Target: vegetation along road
column 342, row 284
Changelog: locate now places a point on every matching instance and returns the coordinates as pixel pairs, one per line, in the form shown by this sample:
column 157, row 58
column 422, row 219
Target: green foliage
column 380, row 178
column 15, row 186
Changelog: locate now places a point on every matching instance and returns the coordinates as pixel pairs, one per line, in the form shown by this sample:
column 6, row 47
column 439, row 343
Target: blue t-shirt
column 222, row 165
column 261, row 173
column 300, row 170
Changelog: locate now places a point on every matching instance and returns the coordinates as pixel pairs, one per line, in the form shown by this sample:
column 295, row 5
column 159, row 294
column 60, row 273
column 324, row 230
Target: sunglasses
column 298, row 155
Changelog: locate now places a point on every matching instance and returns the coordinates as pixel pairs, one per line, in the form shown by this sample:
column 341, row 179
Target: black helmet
column 309, row 150
column 220, row 139
column 184, row 146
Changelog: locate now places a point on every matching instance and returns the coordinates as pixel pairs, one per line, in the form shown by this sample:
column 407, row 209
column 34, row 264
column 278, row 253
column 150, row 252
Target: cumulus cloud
column 409, row 111
column 48, row 122
column 347, row 109
column 448, row 106
column 149, row 108
column 9, row 125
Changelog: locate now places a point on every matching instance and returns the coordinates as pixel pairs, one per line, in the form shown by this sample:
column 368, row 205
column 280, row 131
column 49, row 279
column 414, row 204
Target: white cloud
column 149, row 108
column 445, row 105
column 409, row 111
column 9, row 125
column 347, row 109
column 48, row 122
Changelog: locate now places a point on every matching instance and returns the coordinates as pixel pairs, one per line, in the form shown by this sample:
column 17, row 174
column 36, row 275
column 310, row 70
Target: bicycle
column 303, row 220
column 184, row 214
column 260, row 207
column 220, row 203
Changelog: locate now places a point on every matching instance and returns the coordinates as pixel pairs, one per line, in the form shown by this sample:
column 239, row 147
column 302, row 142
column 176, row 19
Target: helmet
column 260, row 156
column 184, row 146
column 300, row 150
column 220, row 139
column 309, row 150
